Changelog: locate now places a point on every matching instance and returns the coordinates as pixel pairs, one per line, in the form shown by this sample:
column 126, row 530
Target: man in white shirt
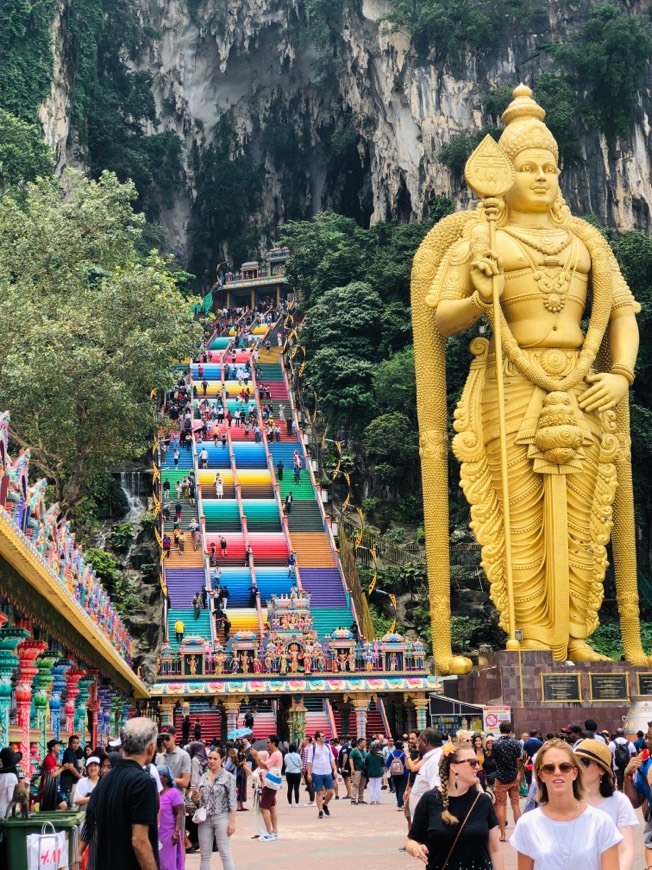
column 176, row 758
column 320, row 770
column 429, row 744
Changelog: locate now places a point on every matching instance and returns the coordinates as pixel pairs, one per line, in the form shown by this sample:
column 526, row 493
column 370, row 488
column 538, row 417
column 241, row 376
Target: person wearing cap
column 8, row 777
column 600, row 792
column 175, row 757
column 87, row 783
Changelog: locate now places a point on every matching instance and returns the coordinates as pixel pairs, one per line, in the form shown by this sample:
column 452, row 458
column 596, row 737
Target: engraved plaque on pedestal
column 644, row 683
column 557, row 688
column 609, row 687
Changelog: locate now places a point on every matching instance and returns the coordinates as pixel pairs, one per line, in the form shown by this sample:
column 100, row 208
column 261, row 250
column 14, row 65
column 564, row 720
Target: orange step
column 312, row 549
column 190, row 559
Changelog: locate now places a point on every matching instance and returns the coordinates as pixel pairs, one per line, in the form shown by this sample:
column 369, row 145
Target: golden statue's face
column 536, row 181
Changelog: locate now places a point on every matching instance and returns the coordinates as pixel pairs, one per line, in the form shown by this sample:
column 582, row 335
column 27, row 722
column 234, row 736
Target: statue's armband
column 452, row 281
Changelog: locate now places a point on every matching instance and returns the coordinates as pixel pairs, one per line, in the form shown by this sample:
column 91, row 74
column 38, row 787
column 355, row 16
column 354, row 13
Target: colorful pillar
column 421, row 707
column 9, row 640
column 42, row 685
column 361, row 706
column 94, row 707
column 167, row 711
column 116, row 714
column 73, row 677
column 58, row 685
column 84, row 686
column 297, row 719
column 232, row 708
column 28, row 650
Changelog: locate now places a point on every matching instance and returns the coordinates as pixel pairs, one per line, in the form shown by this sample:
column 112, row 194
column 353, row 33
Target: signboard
column 493, row 716
column 557, row 688
column 609, row 687
column 644, row 684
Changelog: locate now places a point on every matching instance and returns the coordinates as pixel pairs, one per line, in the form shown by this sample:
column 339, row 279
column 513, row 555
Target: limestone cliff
column 364, row 118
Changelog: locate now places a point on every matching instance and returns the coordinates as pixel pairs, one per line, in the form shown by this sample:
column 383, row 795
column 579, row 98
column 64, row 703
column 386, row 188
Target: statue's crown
column 524, row 127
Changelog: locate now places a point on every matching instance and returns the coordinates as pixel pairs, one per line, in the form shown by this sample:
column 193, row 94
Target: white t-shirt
column 427, row 778
column 321, row 759
column 8, row 781
column 559, row 845
column 619, row 809
column 83, row 790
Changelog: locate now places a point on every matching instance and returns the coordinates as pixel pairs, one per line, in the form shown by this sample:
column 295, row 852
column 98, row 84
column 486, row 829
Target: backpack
column 396, row 767
column 621, row 756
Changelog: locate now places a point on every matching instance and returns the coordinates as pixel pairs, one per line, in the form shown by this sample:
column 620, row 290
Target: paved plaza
column 353, row 838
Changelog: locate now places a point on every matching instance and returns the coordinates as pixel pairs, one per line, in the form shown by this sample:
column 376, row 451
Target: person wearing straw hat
column 600, row 792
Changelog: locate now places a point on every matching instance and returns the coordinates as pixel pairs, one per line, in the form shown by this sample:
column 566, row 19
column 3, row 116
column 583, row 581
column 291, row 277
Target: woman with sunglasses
column 456, row 826
column 564, row 832
column 600, row 792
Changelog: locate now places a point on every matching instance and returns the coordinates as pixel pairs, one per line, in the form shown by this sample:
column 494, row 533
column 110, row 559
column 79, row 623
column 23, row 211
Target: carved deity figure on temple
column 554, row 455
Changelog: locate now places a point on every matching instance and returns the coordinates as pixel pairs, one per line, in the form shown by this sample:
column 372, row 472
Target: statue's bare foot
column 453, row 665
column 580, row 651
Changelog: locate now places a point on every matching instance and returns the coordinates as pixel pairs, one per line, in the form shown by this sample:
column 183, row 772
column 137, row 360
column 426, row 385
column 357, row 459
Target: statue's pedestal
column 550, row 695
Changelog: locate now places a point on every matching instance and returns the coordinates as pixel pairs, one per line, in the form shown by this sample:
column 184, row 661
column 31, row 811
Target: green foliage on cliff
column 25, row 55
column 23, row 154
column 95, row 329
column 444, row 28
column 608, row 59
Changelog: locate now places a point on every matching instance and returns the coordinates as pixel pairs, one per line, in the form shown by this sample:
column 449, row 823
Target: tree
column 391, row 438
column 90, row 328
column 395, row 385
column 23, row 154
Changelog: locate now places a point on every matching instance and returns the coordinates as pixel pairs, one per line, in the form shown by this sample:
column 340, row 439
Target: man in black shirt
column 70, row 770
column 507, row 753
column 124, row 805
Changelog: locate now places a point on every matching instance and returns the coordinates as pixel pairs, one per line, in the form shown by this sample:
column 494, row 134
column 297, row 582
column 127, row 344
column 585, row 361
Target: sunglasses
column 564, row 767
column 472, row 762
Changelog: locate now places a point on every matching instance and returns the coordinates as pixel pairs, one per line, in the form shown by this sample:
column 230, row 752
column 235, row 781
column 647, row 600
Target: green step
column 327, row 619
column 301, row 492
column 197, row 627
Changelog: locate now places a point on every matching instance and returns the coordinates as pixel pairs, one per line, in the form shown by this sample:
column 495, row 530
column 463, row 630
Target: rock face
column 370, row 128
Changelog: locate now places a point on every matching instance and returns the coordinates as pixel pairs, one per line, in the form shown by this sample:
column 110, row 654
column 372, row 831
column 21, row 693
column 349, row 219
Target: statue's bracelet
column 480, row 303
column 625, row 371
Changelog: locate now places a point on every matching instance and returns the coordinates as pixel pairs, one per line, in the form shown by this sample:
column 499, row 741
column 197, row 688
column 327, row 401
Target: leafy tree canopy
column 391, row 438
column 95, row 328
column 23, row 154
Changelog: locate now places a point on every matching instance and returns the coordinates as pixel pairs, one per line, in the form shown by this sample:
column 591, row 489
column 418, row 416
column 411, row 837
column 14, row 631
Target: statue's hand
column 482, row 273
column 605, row 392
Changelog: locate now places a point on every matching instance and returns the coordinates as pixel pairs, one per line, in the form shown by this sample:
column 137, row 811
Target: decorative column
column 421, row 707
column 28, row 650
column 297, row 719
column 42, row 686
column 116, row 714
column 232, row 708
column 106, row 694
column 361, row 706
column 58, row 685
column 73, row 677
column 81, row 724
column 94, row 707
column 9, row 640
column 124, row 713
column 166, row 709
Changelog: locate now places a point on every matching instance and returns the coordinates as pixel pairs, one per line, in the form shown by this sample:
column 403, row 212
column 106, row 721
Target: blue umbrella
column 238, row 732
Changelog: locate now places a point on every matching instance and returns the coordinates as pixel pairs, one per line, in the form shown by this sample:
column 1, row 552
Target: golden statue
column 543, row 422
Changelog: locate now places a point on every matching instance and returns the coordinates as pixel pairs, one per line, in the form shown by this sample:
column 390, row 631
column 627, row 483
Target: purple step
column 182, row 584
column 324, row 585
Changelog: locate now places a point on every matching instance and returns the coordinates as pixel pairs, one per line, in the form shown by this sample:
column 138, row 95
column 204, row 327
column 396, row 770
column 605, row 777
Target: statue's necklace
column 552, row 278
column 536, row 239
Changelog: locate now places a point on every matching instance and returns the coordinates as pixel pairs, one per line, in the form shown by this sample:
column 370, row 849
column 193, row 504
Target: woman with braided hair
column 455, row 827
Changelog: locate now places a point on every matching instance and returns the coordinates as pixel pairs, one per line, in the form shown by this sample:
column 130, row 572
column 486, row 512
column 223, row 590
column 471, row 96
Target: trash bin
column 15, row 832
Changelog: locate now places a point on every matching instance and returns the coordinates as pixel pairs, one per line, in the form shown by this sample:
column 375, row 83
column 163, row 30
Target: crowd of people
column 573, row 794
column 580, row 789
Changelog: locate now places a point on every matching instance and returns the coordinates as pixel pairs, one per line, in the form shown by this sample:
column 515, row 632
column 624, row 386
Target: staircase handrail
column 199, row 508
column 380, row 706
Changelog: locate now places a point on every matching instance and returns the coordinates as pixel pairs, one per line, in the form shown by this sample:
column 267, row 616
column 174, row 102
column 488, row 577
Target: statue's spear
column 490, row 174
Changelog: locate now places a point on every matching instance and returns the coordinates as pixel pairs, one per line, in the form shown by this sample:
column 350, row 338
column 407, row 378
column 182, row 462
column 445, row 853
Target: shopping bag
column 47, row 850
